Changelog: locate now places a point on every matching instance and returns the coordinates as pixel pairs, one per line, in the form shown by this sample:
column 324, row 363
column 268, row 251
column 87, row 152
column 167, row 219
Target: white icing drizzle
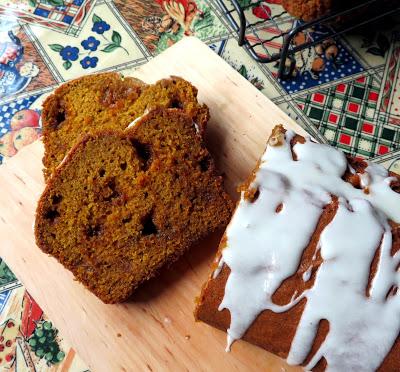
column 219, row 268
column 134, row 122
column 307, row 274
column 351, row 169
column 362, row 329
column 196, row 126
column 62, row 161
column 265, row 244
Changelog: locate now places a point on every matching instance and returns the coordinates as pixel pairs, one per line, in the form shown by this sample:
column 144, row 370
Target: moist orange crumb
column 108, row 101
column 124, row 203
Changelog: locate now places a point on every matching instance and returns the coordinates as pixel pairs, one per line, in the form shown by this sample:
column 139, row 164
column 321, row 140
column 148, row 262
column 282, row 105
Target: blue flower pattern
column 89, row 62
column 70, row 53
column 91, row 43
column 100, row 27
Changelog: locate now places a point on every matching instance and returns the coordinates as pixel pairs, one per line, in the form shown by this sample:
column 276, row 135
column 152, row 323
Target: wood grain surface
column 156, row 330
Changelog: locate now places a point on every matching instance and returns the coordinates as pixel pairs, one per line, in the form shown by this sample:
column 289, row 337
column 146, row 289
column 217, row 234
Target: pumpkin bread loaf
column 309, row 10
column 275, row 331
column 108, row 101
column 124, row 203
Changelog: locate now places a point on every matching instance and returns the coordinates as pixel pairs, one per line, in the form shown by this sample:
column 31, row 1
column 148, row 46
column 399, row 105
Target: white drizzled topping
column 196, row 126
column 351, row 169
column 219, row 268
column 307, row 274
column 134, row 122
column 362, row 329
column 62, row 161
column 267, row 236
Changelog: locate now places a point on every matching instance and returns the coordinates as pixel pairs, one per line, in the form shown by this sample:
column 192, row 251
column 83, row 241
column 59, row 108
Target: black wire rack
column 254, row 33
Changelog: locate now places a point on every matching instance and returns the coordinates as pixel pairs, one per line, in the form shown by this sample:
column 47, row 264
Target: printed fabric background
column 348, row 88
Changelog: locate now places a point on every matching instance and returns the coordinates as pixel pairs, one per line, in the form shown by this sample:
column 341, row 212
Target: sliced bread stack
column 125, row 201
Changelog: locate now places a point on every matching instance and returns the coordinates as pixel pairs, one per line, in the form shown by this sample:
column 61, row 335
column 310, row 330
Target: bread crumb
column 277, row 136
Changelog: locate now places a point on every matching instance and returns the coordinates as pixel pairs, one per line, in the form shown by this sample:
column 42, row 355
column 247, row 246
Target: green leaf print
column 96, row 18
column 243, row 71
column 244, row 3
column 67, row 65
column 110, row 48
column 55, row 2
column 6, row 275
column 56, row 47
column 116, row 38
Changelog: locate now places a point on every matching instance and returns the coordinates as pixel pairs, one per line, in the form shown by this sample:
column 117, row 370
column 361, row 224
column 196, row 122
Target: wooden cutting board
column 156, row 330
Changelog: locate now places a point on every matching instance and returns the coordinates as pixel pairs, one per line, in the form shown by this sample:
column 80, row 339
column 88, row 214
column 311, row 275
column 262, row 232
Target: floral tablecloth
column 349, row 89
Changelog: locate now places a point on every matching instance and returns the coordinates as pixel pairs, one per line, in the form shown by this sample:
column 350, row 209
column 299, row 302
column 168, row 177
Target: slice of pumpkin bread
column 108, row 101
column 124, row 203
